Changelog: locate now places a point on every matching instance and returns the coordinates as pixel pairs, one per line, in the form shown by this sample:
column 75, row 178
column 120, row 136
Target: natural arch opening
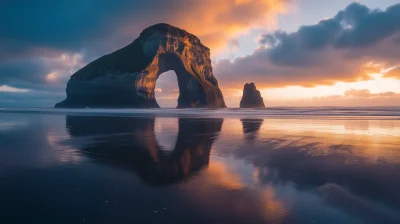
column 166, row 90
column 191, row 92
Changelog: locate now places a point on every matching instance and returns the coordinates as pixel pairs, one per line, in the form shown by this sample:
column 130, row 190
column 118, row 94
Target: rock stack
column 251, row 97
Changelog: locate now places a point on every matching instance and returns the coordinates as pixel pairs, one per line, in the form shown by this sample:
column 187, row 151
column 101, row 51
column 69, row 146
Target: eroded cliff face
column 127, row 77
column 251, row 97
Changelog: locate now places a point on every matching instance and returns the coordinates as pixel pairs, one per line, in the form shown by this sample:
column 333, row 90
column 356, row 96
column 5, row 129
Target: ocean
column 272, row 165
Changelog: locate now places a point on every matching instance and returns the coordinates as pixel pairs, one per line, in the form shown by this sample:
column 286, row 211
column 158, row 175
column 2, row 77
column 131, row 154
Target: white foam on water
column 273, row 112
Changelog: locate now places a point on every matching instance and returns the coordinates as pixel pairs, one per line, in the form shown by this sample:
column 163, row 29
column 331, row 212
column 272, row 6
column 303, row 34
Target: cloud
column 352, row 97
column 365, row 93
column 234, row 44
column 5, row 88
column 355, row 97
column 347, row 47
column 393, row 73
column 357, row 93
column 33, row 98
column 40, row 73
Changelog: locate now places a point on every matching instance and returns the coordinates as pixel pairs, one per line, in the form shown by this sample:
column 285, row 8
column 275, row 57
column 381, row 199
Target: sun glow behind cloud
column 51, row 77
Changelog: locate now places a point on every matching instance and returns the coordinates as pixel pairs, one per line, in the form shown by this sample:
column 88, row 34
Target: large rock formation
column 127, row 77
column 251, row 97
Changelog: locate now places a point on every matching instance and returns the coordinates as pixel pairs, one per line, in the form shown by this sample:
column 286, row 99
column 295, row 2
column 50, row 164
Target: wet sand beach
column 193, row 167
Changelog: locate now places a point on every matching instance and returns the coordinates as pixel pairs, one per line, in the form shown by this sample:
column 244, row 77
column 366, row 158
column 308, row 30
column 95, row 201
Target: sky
column 297, row 52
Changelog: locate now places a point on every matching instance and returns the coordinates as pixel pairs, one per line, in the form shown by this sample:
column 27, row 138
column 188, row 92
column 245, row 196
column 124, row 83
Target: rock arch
column 127, row 77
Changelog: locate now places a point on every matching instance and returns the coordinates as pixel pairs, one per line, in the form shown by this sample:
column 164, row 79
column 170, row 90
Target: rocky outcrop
column 251, row 97
column 127, row 77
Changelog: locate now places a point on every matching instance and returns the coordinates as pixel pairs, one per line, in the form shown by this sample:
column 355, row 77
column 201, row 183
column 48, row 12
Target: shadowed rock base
column 127, row 77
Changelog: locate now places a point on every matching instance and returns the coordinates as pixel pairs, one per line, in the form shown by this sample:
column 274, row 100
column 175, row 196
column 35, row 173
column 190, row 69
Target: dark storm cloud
column 28, row 70
column 368, row 27
column 39, row 73
column 355, row 27
column 34, row 34
column 72, row 25
column 335, row 49
column 64, row 25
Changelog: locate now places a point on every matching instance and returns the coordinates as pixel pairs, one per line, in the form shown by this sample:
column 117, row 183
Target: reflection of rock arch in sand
column 131, row 143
